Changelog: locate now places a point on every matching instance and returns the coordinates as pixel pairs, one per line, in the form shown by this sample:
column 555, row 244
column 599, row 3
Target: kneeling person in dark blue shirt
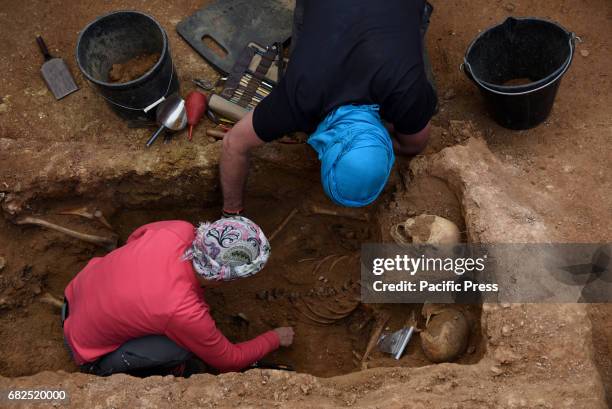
column 354, row 64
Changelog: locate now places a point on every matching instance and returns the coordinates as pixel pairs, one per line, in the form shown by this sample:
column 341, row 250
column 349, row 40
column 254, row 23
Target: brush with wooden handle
column 226, row 108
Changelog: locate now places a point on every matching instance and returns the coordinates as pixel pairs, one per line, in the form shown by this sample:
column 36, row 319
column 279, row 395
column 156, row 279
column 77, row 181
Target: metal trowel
column 56, row 73
column 396, row 342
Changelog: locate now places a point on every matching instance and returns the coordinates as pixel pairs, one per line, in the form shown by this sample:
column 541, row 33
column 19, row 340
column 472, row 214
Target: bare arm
column 409, row 144
column 193, row 328
column 237, row 144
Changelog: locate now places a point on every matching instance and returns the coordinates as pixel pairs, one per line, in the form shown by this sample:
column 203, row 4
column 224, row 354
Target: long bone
column 107, row 243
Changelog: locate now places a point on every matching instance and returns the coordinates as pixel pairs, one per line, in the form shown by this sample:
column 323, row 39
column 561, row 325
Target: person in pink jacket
column 141, row 308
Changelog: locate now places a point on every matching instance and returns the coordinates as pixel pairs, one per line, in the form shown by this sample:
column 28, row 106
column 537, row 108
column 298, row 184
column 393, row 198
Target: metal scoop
column 171, row 115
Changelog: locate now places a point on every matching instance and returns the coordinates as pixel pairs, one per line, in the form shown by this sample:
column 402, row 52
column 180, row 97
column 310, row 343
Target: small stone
column 510, row 7
column 243, row 317
column 278, row 293
column 584, row 53
column 488, row 307
column 471, row 349
column 321, row 278
column 211, row 139
column 496, row 370
column 506, row 330
column 2, row 263
column 505, row 305
column 449, row 94
column 36, row 289
column 505, row 355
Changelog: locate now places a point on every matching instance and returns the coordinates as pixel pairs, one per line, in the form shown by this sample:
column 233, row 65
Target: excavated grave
column 520, row 355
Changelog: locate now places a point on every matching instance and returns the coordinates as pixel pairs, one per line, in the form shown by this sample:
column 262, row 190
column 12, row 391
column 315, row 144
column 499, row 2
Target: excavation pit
column 66, row 154
column 505, row 341
column 314, row 263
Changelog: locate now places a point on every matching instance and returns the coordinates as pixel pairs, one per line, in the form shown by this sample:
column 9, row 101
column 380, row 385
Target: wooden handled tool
column 226, row 108
column 215, row 133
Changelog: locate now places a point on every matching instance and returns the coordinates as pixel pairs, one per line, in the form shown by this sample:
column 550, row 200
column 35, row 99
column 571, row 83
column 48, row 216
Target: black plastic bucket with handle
column 518, row 66
column 116, row 38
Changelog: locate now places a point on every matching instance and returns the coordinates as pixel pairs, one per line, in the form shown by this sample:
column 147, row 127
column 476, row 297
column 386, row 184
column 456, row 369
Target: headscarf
column 228, row 249
column 356, row 154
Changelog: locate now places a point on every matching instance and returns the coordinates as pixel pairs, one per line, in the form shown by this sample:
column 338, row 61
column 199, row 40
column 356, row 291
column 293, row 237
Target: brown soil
column 132, row 69
column 58, row 155
column 271, row 299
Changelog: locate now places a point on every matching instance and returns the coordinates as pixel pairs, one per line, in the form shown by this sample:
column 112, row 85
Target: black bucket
column 116, row 38
column 536, row 52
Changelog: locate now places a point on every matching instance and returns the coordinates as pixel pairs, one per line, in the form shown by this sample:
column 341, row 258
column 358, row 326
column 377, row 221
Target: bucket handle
column 150, row 106
column 467, row 70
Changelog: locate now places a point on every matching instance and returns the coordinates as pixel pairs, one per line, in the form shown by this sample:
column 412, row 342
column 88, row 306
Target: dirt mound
column 132, row 69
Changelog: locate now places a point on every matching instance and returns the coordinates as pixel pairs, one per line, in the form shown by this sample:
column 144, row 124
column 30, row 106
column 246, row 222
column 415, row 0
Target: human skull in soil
column 426, row 229
column 446, row 334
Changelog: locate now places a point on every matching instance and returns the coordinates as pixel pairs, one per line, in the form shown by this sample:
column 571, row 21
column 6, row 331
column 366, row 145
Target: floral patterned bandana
column 229, row 249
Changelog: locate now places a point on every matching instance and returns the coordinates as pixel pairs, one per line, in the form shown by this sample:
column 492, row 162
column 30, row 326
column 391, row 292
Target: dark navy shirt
column 352, row 52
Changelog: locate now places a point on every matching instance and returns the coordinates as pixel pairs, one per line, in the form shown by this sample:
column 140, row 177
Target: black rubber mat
column 233, row 24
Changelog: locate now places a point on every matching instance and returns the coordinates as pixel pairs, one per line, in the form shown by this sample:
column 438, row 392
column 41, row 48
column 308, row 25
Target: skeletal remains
column 427, row 229
column 50, row 299
column 446, row 333
column 379, row 326
column 94, row 214
column 314, row 209
column 322, row 311
column 109, row 243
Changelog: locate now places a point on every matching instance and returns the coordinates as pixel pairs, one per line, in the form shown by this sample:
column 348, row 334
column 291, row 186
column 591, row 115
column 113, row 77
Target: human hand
column 285, row 335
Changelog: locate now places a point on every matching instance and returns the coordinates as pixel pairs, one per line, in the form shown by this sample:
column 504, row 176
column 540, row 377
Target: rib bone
column 50, row 299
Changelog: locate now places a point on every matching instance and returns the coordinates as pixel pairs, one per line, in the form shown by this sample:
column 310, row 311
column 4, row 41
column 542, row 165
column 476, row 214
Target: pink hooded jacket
column 145, row 288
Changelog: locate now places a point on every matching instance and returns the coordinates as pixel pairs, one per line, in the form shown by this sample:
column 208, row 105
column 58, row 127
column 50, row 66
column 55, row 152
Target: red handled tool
column 196, row 104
